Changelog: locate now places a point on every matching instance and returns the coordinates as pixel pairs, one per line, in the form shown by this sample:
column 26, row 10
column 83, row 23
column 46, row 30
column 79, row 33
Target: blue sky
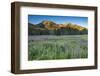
column 82, row 21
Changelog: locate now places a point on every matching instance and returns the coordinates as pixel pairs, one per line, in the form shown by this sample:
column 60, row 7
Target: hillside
column 51, row 28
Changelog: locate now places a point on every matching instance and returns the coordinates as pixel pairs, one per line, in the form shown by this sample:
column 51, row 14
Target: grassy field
column 57, row 47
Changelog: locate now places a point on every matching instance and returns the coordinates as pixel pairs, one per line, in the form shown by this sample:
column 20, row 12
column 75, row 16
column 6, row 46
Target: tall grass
column 59, row 47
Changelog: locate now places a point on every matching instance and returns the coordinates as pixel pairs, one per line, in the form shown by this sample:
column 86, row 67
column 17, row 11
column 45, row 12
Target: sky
column 82, row 21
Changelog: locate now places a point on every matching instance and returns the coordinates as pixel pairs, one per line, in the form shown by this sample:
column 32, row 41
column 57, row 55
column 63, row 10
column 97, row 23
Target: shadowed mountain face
column 51, row 28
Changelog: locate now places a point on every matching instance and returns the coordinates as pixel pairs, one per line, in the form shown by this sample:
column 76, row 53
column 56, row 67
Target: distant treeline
column 62, row 31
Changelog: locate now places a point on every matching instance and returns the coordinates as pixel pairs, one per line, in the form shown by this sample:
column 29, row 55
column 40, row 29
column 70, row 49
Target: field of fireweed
column 50, row 47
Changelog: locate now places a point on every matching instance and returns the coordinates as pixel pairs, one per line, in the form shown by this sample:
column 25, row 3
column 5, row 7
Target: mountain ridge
column 52, row 26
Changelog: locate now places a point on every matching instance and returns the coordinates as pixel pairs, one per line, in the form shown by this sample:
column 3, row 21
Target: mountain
column 49, row 27
column 74, row 26
column 32, row 25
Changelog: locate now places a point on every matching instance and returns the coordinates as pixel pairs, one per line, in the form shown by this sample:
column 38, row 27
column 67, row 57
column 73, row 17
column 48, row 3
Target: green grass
column 58, row 47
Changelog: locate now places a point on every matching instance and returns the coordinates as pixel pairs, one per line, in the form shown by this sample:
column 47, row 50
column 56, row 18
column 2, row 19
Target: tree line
column 61, row 31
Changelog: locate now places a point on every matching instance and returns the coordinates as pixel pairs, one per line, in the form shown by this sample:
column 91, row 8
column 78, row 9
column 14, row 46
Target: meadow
column 51, row 47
